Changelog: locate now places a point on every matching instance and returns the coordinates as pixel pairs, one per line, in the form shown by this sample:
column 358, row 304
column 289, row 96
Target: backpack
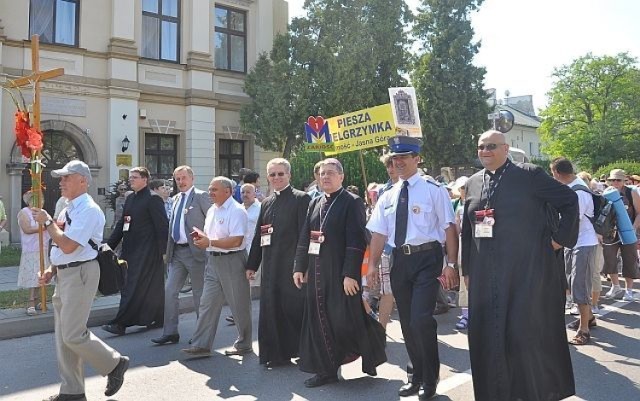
column 604, row 216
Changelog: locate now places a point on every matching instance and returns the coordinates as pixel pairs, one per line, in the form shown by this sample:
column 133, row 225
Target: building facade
column 167, row 75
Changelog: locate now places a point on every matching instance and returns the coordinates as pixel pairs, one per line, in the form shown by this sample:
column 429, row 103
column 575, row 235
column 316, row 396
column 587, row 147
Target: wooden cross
column 35, row 78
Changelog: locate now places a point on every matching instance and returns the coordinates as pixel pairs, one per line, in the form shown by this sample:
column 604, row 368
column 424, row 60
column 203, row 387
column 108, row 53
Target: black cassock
column 336, row 328
column 517, row 338
column 142, row 299
column 281, row 303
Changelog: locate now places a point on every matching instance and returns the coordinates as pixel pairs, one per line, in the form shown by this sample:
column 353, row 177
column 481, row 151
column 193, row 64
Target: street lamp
column 125, row 144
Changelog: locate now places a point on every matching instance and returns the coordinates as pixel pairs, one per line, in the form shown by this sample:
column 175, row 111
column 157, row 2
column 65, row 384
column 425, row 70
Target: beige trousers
column 75, row 344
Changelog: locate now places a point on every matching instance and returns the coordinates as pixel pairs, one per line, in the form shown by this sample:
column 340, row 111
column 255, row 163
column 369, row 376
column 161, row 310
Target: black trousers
column 415, row 285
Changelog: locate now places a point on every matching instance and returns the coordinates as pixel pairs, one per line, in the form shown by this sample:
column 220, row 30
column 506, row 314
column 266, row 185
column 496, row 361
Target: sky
column 522, row 41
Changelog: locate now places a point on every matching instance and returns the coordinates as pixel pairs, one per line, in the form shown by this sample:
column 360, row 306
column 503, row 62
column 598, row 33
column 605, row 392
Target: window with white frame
column 230, row 39
column 160, row 29
column 55, row 21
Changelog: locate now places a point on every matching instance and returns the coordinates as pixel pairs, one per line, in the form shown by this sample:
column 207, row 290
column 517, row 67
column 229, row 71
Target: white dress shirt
column 176, row 204
column 228, row 220
column 87, row 222
column 430, row 212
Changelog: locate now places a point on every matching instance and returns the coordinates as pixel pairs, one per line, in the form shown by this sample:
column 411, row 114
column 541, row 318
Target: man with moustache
column 416, row 219
column 184, row 258
column 515, row 216
column 274, row 245
column 225, row 228
column 77, row 275
column 143, row 232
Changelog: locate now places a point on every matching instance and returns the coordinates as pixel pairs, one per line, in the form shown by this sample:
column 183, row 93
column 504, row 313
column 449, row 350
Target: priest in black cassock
column 336, row 328
column 515, row 215
column 276, row 235
column 143, row 230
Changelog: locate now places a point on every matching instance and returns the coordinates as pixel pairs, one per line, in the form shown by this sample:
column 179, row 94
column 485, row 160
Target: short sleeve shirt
column 87, row 222
column 430, row 212
column 228, row 220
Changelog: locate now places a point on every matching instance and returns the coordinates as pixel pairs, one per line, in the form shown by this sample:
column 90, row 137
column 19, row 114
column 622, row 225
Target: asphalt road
column 607, row 369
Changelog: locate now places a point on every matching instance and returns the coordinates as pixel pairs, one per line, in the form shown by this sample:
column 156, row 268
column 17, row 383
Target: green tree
column 593, row 116
column 342, row 57
column 451, row 97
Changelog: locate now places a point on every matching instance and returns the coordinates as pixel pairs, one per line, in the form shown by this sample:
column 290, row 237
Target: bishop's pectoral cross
column 34, row 79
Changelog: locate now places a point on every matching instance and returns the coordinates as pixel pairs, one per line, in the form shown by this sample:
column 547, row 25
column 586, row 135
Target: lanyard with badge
column 266, row 230
column 485, row 219
column 316, row 238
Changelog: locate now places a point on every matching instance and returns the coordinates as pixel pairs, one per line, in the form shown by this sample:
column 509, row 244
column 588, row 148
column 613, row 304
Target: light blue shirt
column 87, row 222
column 430, row 212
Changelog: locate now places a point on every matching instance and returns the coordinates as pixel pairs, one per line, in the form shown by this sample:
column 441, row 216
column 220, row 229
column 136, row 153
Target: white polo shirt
column 87, row 222
column 430, row 212
column 228, row 220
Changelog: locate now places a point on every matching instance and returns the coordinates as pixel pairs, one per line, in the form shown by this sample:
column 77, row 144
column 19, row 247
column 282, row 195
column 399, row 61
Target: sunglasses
column 279, row 174
column 614, row 179
column 490, row 146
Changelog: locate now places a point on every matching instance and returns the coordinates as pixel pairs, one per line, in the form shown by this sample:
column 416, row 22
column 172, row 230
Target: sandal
column 463, row 323
column 31, row 311
column 581, row 338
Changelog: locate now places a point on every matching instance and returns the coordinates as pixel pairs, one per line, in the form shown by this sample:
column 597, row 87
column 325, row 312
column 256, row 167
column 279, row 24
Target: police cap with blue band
column 404, row 145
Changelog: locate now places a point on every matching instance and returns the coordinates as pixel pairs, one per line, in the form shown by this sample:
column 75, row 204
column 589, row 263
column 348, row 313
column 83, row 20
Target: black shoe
column 275, row 364
column 67, row 397
column 409, row 389
column 427, row 392
column 116, row 377
column 320, row 380
column 114, row 329
column 167, row 338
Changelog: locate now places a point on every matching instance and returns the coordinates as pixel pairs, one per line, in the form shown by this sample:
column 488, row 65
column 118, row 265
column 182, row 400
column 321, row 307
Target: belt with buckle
column 72, row 264
column 409, row 249
column 186, row 244
column 215, row 253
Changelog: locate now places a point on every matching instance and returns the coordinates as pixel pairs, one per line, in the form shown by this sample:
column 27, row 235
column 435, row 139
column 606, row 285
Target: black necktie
column 402, row 215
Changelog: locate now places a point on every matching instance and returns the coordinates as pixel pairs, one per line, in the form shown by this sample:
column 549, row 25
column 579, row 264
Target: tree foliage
column 451, row 97
column 593, row 116
column 342, row 57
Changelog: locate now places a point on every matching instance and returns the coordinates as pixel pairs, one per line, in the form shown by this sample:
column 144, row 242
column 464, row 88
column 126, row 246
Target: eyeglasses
column 134, row 177
column 279, row 174
column 614, row 179
column 490, row 146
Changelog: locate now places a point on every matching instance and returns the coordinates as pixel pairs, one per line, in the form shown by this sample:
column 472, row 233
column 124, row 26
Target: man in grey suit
column 183, row 257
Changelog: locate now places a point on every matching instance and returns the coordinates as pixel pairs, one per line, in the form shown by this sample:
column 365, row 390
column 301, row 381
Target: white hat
column 73, row 167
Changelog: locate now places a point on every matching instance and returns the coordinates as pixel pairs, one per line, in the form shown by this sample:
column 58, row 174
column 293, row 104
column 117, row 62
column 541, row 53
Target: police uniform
column 418, row 259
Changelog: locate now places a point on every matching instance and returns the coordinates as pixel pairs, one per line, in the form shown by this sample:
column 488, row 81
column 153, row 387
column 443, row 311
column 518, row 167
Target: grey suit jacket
column 196, row 207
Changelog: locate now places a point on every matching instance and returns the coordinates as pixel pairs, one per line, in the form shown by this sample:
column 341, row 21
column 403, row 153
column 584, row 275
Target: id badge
column 484, row 230
column 316, row 238
column 127, row 221
column 265, row 234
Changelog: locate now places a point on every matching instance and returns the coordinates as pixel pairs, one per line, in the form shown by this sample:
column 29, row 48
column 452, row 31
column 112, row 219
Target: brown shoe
column 581, row 338
column 235, row 351
column 197, row 351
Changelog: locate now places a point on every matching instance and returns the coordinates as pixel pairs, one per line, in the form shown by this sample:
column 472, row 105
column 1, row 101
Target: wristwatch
column 48, row 223
column 452, row 265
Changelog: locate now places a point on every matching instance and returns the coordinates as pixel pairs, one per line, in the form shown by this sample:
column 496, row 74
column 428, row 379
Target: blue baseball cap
column 403, row 145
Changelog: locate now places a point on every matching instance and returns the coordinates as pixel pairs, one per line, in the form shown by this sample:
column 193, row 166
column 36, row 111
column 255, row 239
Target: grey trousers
column 582, row 262
column 182, row 264
column 224, row 278
column 75, row 344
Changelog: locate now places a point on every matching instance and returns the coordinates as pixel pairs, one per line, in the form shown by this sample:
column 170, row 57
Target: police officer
column 415, row 218
column 74, row 263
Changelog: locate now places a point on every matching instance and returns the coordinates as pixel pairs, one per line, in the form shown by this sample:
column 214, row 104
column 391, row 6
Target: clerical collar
column 282, row 190
column 334, row 194
column 500, row 169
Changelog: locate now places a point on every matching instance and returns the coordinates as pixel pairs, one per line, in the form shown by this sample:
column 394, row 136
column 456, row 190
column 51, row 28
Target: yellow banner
column 362, row 129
